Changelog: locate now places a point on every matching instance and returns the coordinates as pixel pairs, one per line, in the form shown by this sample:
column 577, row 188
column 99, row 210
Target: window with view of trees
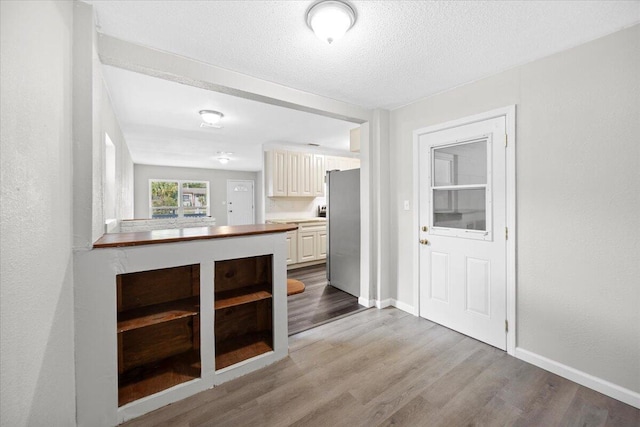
column 173, row 199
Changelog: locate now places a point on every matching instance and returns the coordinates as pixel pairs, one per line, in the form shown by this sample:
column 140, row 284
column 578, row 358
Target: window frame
column 180, row 202
column 486, row 234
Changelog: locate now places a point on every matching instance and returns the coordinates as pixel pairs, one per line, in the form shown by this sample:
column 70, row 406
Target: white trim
column 509, row 113
column 511, row 194
column 365, row 302
column 622, row 394
column 411, row 309
column 383, row 303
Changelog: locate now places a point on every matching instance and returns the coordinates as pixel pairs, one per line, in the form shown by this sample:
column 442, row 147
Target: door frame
column 253, row 196
column 509, row 113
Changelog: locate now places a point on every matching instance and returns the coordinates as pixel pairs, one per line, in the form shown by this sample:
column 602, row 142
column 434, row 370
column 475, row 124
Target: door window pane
column 465, row 209
column 463, row 164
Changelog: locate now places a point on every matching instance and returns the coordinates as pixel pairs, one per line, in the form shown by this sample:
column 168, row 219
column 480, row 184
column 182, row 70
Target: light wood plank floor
column 386, row 367
column 319, row 303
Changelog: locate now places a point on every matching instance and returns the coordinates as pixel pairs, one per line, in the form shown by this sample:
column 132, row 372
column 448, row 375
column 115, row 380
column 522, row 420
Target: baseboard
column 383, row 303
column 366, row 302
column 598, row 384
column 404, row 307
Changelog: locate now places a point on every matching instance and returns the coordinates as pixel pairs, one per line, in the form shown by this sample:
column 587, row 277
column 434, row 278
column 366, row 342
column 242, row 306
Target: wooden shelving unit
column 158, row 330
column 243, row 309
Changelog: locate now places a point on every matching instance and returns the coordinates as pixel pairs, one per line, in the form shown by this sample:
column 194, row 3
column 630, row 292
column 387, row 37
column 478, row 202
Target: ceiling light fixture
column 330, row 19
column 223, row 160
column 210, row 118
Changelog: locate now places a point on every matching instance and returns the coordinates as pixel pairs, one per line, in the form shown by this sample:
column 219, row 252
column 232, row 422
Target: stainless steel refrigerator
column 343, row 230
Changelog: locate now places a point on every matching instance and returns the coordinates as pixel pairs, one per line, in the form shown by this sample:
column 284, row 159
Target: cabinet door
column 293, row 176
column 331, row 163
column 354, row 163
column 292, row 247
column 307, row 245
column 318, row 175
column 277, row 173
column 321, row 241
column 306, row 175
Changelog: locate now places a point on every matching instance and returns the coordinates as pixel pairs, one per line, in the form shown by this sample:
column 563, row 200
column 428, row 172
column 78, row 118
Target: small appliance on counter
column 322, row 211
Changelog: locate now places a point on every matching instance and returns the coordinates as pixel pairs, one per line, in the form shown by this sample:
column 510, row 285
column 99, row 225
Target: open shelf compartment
column 243, row 292
column 158, row 330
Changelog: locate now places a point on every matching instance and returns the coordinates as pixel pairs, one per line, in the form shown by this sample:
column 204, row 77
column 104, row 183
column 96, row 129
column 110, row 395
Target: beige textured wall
column 578, row 203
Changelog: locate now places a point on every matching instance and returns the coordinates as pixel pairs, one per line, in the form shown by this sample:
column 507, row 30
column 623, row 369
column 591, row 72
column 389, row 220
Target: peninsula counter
column 164, row 314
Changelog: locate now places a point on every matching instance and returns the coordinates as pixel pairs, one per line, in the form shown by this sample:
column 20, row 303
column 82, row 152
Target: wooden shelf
column 154, row 377
column 158, row 330
column 158, row 313
column 241, row 296
column 243, row 347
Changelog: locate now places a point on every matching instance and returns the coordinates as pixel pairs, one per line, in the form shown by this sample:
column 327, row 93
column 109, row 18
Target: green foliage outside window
column 164, row 193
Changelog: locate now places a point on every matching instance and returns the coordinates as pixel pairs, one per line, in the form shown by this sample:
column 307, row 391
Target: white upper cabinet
column 294, row 174
column 306, row 175
column 277, row 173
column 318, row 175
column 341, row 163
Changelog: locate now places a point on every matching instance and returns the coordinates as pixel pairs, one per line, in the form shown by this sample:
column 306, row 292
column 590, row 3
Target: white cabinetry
column 322, row 243
column 312, row 242
column 294, row 174
column 308, row 244
column 277, row 173
column 292, row 247
column 341, row 163
column 318, row 175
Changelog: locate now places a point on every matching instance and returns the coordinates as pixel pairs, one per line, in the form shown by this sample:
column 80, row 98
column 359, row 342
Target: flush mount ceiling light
column 210, row 118
column 330, row 19
column 223, row 160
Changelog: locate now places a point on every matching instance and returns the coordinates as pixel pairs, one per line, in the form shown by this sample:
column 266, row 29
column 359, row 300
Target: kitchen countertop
column 186, row 234
column 296, row 220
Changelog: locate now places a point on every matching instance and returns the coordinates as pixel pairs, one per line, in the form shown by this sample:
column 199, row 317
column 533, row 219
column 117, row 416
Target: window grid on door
column 460, row 189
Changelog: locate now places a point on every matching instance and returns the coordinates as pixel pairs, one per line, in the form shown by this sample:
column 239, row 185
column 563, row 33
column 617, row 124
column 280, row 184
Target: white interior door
column 240, row 208
column 462, row 229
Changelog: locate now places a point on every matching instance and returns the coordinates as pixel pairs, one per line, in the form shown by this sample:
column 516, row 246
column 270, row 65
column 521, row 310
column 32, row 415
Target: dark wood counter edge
column 119, row 240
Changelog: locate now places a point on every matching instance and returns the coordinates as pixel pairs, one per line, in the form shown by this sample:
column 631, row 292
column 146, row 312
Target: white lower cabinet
column 322, row 244
column 312, row 242
column 292, row 247
column 307, row 245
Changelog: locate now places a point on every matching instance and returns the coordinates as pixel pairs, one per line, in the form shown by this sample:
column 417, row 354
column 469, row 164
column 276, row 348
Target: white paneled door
column 240, row 208
column 463, row 229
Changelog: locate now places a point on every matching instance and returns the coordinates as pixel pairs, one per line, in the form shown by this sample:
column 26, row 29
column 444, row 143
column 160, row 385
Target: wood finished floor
column 319, row 303
column 389, row 368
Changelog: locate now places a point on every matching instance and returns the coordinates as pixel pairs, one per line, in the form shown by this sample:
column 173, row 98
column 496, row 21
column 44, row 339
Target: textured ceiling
column 397, row 52
column 160, row 122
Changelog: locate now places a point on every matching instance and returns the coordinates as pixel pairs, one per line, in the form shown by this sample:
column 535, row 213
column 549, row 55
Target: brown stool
column 294, row 287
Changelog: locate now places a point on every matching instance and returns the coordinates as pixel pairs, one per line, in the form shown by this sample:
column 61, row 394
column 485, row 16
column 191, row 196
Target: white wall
column 217, row 179
column 578, row 174
column 36, row 354
column 124, row 165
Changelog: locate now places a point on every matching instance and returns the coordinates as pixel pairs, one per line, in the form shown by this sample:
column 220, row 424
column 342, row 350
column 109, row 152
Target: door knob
column 424, row 242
